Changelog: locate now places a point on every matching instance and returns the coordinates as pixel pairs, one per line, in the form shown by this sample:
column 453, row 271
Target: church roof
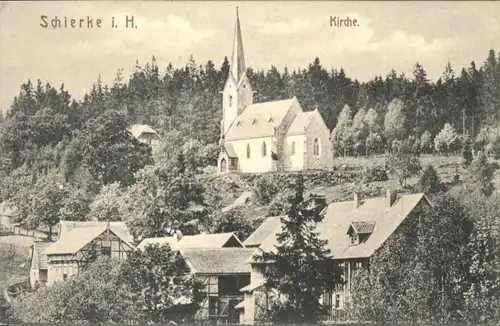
column 300, row 123
column 230, row 150
column 259, row 120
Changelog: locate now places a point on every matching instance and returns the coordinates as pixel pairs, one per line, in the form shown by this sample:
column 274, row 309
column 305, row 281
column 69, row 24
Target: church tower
column 237, row 93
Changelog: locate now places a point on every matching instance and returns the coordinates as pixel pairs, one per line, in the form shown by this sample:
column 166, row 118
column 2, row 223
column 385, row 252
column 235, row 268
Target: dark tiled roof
column 363, row 227
column 218, row 261
column 263, row 231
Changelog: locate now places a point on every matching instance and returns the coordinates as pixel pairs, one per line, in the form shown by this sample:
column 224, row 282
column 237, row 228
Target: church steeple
column 238, row 56
column 237, row 93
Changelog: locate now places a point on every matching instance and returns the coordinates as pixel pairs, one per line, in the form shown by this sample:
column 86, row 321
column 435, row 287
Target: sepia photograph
column 250, row 162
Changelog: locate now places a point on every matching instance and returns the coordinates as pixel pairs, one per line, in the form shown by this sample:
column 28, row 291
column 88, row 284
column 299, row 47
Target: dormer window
column 360, row 231
column 239, row 123
column 354, row 238
column 254, row 122
column 271, row 119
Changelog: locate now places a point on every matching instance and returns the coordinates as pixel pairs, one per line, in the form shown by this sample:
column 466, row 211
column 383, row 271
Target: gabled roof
column 39, row 259
column 218, row 260
column 259, row 120
column 79, row 235
column 362, row 227
column 217, row 240
column 118, row 227
column 267, row 227
column 230, row 150
column 340, row 216
column 300, row 123
column 138, row 129
column 75, row 240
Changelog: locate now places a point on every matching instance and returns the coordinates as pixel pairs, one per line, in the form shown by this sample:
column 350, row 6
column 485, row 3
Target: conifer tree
column 303, row 268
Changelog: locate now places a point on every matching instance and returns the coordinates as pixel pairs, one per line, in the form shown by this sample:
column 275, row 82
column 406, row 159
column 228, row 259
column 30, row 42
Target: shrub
column 375, row 173
column 265, row 189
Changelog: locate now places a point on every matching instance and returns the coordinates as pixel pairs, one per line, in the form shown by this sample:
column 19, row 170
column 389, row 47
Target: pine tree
column 302, row 267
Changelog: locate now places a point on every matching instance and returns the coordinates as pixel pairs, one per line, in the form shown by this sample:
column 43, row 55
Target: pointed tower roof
column 238, row 56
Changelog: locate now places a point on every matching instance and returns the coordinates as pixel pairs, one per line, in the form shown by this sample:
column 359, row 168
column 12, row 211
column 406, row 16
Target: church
column 268, row 136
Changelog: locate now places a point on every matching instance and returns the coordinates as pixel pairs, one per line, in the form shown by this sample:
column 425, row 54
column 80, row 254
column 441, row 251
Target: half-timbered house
column 80, row 243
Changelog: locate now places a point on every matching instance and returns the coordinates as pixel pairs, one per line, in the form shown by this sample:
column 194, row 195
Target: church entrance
column 223, row 165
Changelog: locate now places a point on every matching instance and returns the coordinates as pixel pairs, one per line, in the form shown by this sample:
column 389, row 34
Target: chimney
column 356, row 200
column 391, row 197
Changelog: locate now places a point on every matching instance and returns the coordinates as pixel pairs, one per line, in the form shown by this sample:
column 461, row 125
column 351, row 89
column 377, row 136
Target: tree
column 110, row 204
column 232, row 221
column 395, row 119
column 446, row 140
column 483, row 173
column 97, row 295
column 429, row 181
column 373, row 142
column 418, row 275
column 159, row 280
column 466, row 151
column 404, row 162
column 371, row 120
column 265, row 189
column 165, row 197
column 110, row 152
column 43, row 204
column 426, row 142
column 482, row 296
column 342, row 135
column 302, row 267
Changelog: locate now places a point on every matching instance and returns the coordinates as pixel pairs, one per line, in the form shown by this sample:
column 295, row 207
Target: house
column 39, row 265
column 220, row 263
column 354, row 231
column 147, row 135
column 268, row 136
column 207, row 241
column 80, row 243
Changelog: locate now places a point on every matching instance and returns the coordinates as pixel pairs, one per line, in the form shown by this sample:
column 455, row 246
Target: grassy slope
column 445, row 167
column 14, row 260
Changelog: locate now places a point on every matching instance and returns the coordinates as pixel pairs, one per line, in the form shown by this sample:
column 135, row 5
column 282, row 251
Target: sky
column 390, row 35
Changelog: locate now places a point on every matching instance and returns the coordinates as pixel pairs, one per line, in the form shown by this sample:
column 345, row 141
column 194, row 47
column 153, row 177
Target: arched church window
column 230, row 101
column 248, row 150
column 264, row 149
column 316, row 147
column 293, row 149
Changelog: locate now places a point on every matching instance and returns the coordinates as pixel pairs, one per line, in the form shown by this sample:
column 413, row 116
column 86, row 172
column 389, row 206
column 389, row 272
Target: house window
column 354, row 238
column 264, row 149
column 293, row 149
column 106, row 251
column 316, row 146
column 248, row 150
column 337, row 301
column 230, row 101
column 65, row 277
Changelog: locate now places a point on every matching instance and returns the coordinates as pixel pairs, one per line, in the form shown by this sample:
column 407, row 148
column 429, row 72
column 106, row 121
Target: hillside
column 348, row 177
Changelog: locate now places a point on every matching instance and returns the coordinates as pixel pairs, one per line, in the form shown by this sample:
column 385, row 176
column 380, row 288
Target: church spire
column 238, row 57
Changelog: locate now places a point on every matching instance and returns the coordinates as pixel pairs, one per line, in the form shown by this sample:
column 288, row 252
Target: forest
column 63, row 159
